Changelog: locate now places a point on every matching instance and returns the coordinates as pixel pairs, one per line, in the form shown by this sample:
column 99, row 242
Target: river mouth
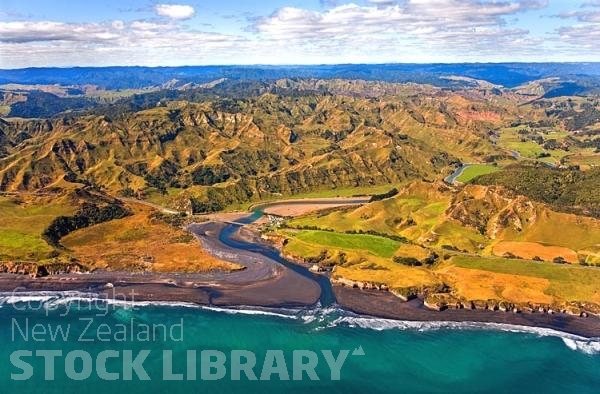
column 227, row 237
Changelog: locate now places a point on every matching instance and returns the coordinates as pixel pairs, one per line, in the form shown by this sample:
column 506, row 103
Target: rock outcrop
column 36, row 270
column 338, row 280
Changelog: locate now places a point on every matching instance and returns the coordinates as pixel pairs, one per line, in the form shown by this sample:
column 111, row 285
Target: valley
column 465, row 194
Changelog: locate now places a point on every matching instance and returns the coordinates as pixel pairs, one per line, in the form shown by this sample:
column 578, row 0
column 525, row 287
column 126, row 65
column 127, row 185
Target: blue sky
column 141, row 32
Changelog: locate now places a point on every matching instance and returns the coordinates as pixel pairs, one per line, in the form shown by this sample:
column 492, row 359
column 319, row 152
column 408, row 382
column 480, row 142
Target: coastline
column 265, row 282
column 385, row 305
column 186, row 288
column 277, row 293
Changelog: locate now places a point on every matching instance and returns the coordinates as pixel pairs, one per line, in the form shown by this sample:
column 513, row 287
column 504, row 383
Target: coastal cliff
column 435, row 300
column 36, row 270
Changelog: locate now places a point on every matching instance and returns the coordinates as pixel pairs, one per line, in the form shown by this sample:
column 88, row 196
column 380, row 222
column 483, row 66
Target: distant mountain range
column 505, row 74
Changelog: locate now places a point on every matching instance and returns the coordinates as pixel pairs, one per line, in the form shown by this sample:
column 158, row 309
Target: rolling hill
column 483, row 243
column 234, row 150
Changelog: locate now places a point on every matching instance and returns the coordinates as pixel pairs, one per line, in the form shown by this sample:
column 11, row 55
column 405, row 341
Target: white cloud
column 452, row 25
column 581, row 16
column 111, row 43
column 175, row 11
column 380, row 31
column 22, row 32
column 410, row 17
column 578, row 39
column 582, row 36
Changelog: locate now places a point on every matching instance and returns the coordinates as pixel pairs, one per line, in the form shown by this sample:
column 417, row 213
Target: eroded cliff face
column 37, row 270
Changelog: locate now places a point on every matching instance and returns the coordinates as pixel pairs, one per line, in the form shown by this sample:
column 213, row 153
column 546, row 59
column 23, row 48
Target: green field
column 523, row 267
column 365, row 257
column 510, row 139
column 475, row 170
column 21, row 227
column 20, row 245
column 378, row 246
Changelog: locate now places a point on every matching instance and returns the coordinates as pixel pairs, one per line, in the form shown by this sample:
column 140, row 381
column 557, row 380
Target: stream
column 227, row 237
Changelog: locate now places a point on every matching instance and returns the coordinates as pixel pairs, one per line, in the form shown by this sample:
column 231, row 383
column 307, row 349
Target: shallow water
column 398, row 356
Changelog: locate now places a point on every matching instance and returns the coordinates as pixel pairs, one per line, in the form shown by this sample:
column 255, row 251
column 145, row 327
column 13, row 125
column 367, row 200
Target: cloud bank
column 338, row 32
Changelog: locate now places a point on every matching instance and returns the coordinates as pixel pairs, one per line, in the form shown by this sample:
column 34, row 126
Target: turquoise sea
column 398, row 356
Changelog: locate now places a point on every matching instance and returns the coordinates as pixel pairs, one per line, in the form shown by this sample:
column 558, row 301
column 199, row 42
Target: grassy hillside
column 567, row 282
column 141, row 242
column 416, row 213
column 250, row 141
column 215, row 153
column 489, row 243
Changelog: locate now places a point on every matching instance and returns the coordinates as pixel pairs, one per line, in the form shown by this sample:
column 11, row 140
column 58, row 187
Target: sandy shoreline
column 280, row 291
column 385, row 305
column 277, row 292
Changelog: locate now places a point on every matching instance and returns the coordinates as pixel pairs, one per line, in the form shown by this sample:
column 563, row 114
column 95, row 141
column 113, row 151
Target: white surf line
column 574, row 342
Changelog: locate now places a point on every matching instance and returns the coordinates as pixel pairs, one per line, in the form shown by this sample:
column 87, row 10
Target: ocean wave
column 253, row 311
column 319, row 317
column 14, row 298
column 585, row 346
column 57, row 298
column 573, row 342
column 170, row 304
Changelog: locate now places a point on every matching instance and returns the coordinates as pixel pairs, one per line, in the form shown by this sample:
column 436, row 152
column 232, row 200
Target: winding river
column 227, row 237
column 451, row 179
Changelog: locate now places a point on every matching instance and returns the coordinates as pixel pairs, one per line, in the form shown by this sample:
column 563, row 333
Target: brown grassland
column 139, row 242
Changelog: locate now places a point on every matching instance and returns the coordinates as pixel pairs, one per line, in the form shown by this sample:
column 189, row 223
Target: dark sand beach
column 386, row 305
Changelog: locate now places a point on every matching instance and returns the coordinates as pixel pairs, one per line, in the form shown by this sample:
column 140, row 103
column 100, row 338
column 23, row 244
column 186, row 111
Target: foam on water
column 584, row 346
column 320, row 317
column 574, row 342
column 56, row 298
column 42, row 296
column 252, row 311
